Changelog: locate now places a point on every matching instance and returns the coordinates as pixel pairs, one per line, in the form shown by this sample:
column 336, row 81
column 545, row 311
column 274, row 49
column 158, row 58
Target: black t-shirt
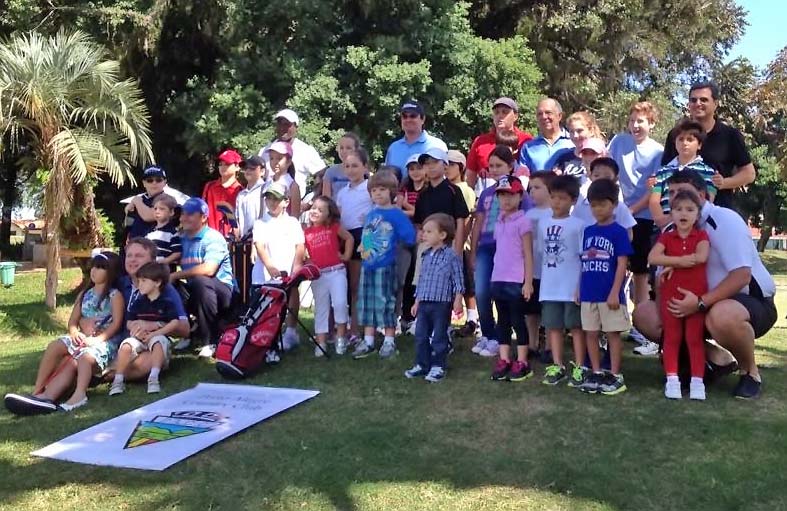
column 444, row 198
column 724, row 150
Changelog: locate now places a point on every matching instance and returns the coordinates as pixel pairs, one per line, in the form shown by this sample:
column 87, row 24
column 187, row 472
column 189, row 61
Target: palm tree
column 63, row 98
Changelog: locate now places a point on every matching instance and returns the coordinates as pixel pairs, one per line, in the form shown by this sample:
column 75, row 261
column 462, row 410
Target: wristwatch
column 701, row 307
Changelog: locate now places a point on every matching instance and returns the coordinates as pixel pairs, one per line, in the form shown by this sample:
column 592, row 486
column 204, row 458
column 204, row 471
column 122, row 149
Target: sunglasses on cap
column 153, row 179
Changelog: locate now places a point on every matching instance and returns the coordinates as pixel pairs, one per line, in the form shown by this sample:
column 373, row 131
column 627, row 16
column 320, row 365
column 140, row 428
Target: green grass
column 374, row 441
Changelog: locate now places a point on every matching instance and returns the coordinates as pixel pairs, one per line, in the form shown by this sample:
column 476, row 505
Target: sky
column 766, row 33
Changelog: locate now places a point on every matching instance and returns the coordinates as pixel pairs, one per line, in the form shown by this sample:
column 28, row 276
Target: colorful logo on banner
column 175, row 425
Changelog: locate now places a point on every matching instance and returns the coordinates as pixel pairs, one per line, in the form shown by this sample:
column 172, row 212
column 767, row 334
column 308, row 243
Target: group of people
column 527, row 238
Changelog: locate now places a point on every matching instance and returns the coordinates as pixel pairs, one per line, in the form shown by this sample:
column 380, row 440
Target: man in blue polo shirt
column 415, row 140
column 552, row 143
column 205, row 265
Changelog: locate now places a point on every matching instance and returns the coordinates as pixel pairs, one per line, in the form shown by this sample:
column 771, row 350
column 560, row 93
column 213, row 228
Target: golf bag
column 243, row 347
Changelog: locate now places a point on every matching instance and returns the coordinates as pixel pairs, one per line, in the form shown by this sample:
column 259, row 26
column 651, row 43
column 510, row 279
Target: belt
column 335, row 267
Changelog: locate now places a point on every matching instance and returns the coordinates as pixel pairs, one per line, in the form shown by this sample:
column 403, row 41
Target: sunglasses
column 154, row 180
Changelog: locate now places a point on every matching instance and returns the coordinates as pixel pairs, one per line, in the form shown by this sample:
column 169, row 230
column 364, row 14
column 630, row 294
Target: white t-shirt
column 536, row 215
column 305, row 158
column 354, row 203
column 561, row 266
column 280, row 235
column 731, row 247
column 582, row 210
column 248, row 206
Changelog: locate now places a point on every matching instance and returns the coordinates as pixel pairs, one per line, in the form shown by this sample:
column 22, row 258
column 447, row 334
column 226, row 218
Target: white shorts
column 330, row 291
column 138, row 346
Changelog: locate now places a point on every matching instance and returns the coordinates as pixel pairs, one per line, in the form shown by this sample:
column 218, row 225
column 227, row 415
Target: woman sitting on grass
column 89, row 347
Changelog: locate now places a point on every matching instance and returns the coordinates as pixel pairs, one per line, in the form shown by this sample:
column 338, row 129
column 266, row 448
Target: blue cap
column 195, row 205
column 434, row 152
column 412, row 105
column 154, row 172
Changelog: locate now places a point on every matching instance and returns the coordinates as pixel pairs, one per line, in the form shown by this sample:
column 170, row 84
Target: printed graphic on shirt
column 554, row 246
column 596, row 254
column 376, row 239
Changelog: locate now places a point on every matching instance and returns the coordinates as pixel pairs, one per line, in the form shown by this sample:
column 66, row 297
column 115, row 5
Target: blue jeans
column 484, row 258
column 432, row 320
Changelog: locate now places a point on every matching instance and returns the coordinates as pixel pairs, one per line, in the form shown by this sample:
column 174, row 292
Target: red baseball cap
column 230, row 156
column 510, row 184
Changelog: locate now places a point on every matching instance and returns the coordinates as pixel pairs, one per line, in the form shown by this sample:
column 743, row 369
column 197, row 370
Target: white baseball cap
column 287, row 114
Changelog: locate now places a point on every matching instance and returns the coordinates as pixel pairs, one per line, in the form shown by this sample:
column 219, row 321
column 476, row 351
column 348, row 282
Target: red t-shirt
column 482, row 147
column 410, row 194
column 693, row 279
column 215, row 194
column 322, row 243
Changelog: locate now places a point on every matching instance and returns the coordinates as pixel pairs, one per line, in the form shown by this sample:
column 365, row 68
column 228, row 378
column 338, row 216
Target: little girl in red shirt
column 683, row 252
column 322, row 242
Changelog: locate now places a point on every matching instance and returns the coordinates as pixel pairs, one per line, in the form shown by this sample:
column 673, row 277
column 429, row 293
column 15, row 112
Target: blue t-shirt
column 400, row 151
column 601, row 247
column 207, row 246
column 539, row 155
column 139, row 228
column 383, row 229
column 131, row 295
column 164, row 309
column 637, row 163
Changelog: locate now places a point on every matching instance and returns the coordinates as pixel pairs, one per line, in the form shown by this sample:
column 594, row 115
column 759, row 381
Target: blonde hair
column 384, row 179
column 647, row 109
column 590, row 122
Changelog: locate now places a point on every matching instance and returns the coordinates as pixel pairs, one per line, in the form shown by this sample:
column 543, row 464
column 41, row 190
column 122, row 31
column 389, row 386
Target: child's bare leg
column 578, row 339
column 321, row 339
column 505, row 352
column 294, row 305
column 53, row 356
column 615, row 351
column 341, row 330
column 61, row 382
column 591, row 342
column 123, row 359
column 521, row 352
column 555, row 338
column 157, row 357
column 86, row 365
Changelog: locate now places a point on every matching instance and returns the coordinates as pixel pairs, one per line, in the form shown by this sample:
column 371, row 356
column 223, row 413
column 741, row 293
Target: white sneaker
column 637, row 337
column 207, row 351
column 647, row 349
column 272, row 357
column 479, row 346
column 490, row 350
column 697, row 390
column 290, row 340
column 411, row 328
column 154, row 387
column 319, row 352
column 672, row 389
column 341, row 346
column 388, row 349
column 116, row 388
column 182, row 344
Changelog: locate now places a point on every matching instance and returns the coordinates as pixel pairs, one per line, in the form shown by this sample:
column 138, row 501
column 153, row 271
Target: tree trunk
column 770, row 212
column 9, row 177
column 52, row 261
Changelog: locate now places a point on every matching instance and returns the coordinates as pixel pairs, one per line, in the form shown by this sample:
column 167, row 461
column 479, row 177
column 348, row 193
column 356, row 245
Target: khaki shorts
column 138, row 346
column 599, row 317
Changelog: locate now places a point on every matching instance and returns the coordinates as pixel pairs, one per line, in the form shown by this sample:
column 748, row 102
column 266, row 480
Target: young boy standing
column 223, row 192
column 249, row 203
column 605, row 251
column 541, row 210
column 165, row 234
column 602, row 168
column 150, row 305
column 561, row 239
column 384, row 228
column 439, row 289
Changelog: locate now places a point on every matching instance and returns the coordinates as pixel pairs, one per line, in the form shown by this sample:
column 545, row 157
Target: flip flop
column 23, row 404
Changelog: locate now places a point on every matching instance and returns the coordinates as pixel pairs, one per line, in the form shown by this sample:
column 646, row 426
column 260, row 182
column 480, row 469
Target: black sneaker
column 612, row 385
column 592, row 383
column 520, row 371
column 25, row 404
column 714, row 372
column 466, row 330
column 747, row 388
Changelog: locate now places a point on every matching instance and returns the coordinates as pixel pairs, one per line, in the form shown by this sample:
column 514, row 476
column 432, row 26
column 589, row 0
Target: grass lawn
column 375, row 441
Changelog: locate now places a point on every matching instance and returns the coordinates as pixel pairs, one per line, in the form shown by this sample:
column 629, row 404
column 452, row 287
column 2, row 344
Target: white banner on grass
column 160, row 434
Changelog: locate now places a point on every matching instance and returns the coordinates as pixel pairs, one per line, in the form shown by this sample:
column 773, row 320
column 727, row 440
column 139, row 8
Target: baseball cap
column 280, row 147
column 195, row 205
column 288, row 114
column 412, row 105
column 510, row 103
column 412, row 159
column 230, row 156
column 154, row 171
column 455, row 156
column 593, row 144
column 252, row 161
column 509, row 184
column 434, row 152
column 277, row 190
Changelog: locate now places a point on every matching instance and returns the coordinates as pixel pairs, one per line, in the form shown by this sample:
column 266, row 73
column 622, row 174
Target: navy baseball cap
column 252, row 161
column 195, row 205
column 412, row 105
column 154, row 171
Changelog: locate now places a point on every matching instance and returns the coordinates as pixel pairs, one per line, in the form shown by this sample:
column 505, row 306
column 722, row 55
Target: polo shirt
column 731, row 247
column 509, row 262
column 444, row 198
column 130, row 294
column 354, row 203
column 305, row 159
column 489, row 206
column 207, row 246
column 280, row 235
column 539, row 155
column 637, row 164
column 663, row 175
column 724, row 149
column 248, row 206
column 400, row 150
column 215, row 194
column 164, row 309
column 484, row 144
column 695, row 278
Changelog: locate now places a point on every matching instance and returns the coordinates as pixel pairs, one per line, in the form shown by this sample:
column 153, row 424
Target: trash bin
column 7, row 270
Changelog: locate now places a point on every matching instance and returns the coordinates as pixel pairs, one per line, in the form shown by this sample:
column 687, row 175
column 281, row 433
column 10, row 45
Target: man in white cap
column 306, row 159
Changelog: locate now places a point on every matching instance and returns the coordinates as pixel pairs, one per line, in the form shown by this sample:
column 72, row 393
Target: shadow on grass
column 33, row 318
